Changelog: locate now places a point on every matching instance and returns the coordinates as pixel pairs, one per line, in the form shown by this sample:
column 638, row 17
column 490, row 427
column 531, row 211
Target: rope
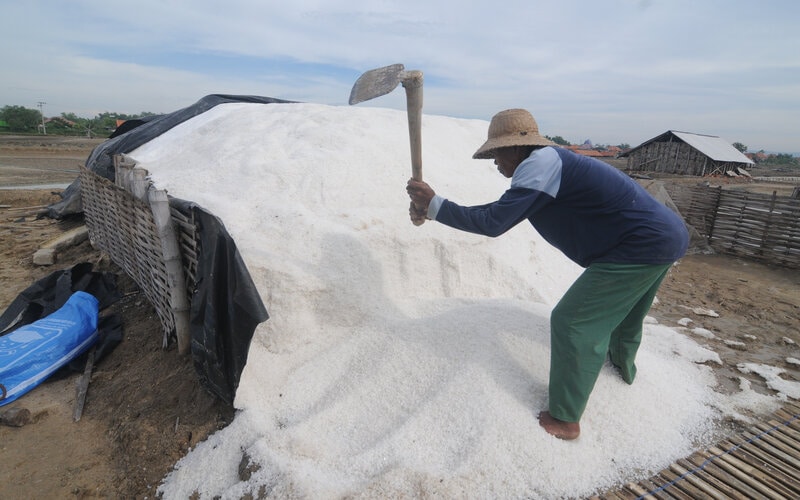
column 714, row 457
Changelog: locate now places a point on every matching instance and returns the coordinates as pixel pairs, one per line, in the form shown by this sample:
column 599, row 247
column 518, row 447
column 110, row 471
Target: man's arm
column 493, row 219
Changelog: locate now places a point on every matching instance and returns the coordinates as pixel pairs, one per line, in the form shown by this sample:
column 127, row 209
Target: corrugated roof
column 715, row 148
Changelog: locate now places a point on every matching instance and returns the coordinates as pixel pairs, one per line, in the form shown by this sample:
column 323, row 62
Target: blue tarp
column 31, row 353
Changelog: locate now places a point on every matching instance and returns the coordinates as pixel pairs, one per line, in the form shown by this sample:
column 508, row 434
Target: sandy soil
column 145, row 407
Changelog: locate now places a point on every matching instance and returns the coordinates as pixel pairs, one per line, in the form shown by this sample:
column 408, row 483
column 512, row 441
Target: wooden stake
column 82, row 387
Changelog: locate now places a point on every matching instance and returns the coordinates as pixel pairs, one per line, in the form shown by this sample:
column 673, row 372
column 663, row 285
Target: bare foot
column 558, row 428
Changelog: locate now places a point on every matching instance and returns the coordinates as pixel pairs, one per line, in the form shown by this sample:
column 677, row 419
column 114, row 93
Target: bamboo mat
column 762, row 462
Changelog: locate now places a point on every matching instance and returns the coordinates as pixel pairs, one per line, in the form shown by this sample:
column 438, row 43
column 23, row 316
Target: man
column 598, row 217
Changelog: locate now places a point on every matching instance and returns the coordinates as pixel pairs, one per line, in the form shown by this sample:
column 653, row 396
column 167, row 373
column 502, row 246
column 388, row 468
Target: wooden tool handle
column 412, row 83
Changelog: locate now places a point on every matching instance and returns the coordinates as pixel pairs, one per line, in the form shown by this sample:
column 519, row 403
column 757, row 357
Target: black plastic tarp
column 226, row 306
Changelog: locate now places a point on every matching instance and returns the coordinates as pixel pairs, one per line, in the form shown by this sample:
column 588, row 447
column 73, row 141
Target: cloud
column 629, row 65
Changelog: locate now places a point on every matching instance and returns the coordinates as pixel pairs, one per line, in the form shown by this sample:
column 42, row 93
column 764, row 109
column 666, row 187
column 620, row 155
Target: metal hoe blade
column 376, row 82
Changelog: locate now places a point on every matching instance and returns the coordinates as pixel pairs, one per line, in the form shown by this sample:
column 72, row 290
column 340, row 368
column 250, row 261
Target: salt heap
column 402, row 361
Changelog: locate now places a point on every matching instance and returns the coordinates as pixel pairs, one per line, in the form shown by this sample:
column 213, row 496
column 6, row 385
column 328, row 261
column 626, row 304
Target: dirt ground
column 145, row 408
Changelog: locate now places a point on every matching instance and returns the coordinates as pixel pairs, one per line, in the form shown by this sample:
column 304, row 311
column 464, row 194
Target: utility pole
column 40, row 104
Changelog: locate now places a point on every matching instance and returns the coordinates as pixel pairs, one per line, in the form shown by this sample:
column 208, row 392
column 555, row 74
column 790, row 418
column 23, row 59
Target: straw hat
column 512, row 127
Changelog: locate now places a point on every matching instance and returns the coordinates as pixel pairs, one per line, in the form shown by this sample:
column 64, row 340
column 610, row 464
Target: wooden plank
column 778, row 479
column 82, row 386
column 655, row 490
column 732, row 484
column 695, row 477
column 619, row 494
column 786, row 416
column 792, row 421
column 787, row 478
column 751, row 476
column 626, row 494
column 792, row 408
column 609, row 495
column 670, row 488
column 679, row 485
column 666, row 486
column 721, row 486
column 773, row 446
column 765, row 456
column 776, row 431
column 639, row 491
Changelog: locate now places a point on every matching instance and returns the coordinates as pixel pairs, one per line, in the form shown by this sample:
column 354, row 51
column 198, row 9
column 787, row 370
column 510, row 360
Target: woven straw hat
column 512, row 127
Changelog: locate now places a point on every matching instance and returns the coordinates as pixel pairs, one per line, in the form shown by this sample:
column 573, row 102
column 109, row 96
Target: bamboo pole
column 179, row 302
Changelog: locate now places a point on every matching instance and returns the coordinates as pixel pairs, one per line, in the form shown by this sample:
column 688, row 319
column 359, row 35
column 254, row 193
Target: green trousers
column 600, row 315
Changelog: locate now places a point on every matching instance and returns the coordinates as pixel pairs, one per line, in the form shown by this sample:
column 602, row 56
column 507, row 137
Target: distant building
column 757, row 157
column 685, row 153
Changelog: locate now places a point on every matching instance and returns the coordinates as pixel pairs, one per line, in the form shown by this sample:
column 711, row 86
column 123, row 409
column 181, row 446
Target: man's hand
column 418, row 215
column 421, row 195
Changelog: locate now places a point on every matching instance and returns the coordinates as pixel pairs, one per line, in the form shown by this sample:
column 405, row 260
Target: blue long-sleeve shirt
column 586, row 208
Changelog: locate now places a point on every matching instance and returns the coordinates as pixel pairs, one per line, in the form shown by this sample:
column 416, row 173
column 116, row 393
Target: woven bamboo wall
column 670, row 157
column 676, row 157
column 124, row 227
column 757, row 226
column 187, row 235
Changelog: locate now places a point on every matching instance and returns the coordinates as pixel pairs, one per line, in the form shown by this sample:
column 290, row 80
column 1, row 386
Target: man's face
column 508, row 159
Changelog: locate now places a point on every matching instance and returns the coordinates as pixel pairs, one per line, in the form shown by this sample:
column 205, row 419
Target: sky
column 613, row 72
column 618, row 71
column 404, row 361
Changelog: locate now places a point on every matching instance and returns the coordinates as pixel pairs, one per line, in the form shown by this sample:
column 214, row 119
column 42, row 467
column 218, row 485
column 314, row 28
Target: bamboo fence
column 757, row 226
column 153, row 243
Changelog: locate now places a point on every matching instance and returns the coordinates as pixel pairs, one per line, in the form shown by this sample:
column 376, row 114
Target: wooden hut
column 684, row 153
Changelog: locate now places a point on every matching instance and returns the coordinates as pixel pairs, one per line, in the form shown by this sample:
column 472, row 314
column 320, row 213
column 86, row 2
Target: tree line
column 599, row 147
column 762, row 158
column 19, row 119
column 22, row 120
